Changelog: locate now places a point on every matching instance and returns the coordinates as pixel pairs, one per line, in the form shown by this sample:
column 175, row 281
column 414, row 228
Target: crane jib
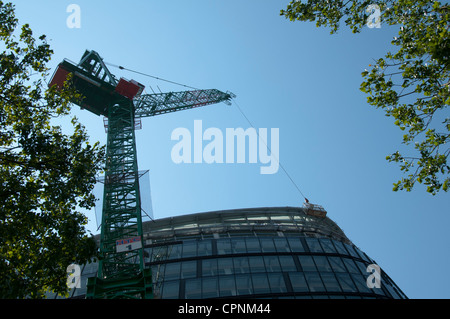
column 160, row 103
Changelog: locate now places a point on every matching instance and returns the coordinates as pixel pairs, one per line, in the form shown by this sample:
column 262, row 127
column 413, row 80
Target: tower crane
column 122, row 272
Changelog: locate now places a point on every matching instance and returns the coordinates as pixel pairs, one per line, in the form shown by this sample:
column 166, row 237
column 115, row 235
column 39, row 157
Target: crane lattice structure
column 122, row 272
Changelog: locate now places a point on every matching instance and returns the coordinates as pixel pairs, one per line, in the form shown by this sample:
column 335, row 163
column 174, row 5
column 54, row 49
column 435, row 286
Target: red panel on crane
column 97, row 95
column 59, row 77
column 129, row 89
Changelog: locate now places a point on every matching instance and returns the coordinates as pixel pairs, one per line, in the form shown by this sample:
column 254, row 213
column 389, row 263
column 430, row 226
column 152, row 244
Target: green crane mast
column 122, row 272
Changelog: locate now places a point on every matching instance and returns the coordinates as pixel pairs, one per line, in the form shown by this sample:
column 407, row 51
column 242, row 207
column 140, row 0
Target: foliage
column 45, row 175
column 410, row 85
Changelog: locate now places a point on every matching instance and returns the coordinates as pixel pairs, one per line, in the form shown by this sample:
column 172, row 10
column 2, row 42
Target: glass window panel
column 360, row 283
column 276, row 282
column 189, row 269
column 330, row 282
column 298, row 282
column 210, row 288
column 267, row 245
column 362, row 255
column 193, row 289
column 322, row 263
column 307, row 263
column 189, row 249
column 90, row 269
column 83, row 287
column 252, row 245
column 340, row 247
column 227, row 286
column 148, row 254
column 244, row 284
column 393, row 293
column 172, row 271
column 337, row 297
column 238, row 246
column 256, row 264
column 262, row 219
column 175, row 251
column 299, row 219
column 337, row 264
column 346, row 282
column 237, row 220
column 314, row 281
column 241, row 265
column 351, row 267
column 362, row 267
column 225, row 266
column 378, row 291
column 209, row 267
column 327, row 246
column 260, row 284
column 281, row 218
column 314, row 245
column 205, row 248
column 224, row 246
column 185, row 226
column 170, row 289
column 287, row 263
column 281, row 245
column 296, row 244
column 156, row 275
column 272, row 264
column 351, row 250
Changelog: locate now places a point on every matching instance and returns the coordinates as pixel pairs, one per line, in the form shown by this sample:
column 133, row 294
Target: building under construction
column 276, row 252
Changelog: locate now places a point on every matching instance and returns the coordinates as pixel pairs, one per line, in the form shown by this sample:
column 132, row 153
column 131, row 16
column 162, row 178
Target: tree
column 46, row 177
column 410, row 85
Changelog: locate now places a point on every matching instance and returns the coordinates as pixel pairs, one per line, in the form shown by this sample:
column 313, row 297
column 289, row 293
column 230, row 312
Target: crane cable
column 279, row 163
column 150, row 76
column 238, row 107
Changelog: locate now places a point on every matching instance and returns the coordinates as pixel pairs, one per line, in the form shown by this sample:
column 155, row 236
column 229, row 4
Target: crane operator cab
column 98, row 87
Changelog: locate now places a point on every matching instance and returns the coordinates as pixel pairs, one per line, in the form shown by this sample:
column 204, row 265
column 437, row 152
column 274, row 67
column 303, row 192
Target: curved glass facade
column 255, row 253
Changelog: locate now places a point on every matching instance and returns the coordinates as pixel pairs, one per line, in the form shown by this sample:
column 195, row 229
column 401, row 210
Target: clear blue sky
column 291, row 76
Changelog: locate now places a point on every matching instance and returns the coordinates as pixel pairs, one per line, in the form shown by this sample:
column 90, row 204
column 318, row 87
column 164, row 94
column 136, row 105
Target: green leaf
column 410, row 85
column 45, row 174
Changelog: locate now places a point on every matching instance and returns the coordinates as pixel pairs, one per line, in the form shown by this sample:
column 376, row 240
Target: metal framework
column 161, row 103
column 122, row 272
column 121, row 216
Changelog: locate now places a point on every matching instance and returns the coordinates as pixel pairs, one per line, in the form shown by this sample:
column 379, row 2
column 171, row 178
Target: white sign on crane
column 128, row 244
